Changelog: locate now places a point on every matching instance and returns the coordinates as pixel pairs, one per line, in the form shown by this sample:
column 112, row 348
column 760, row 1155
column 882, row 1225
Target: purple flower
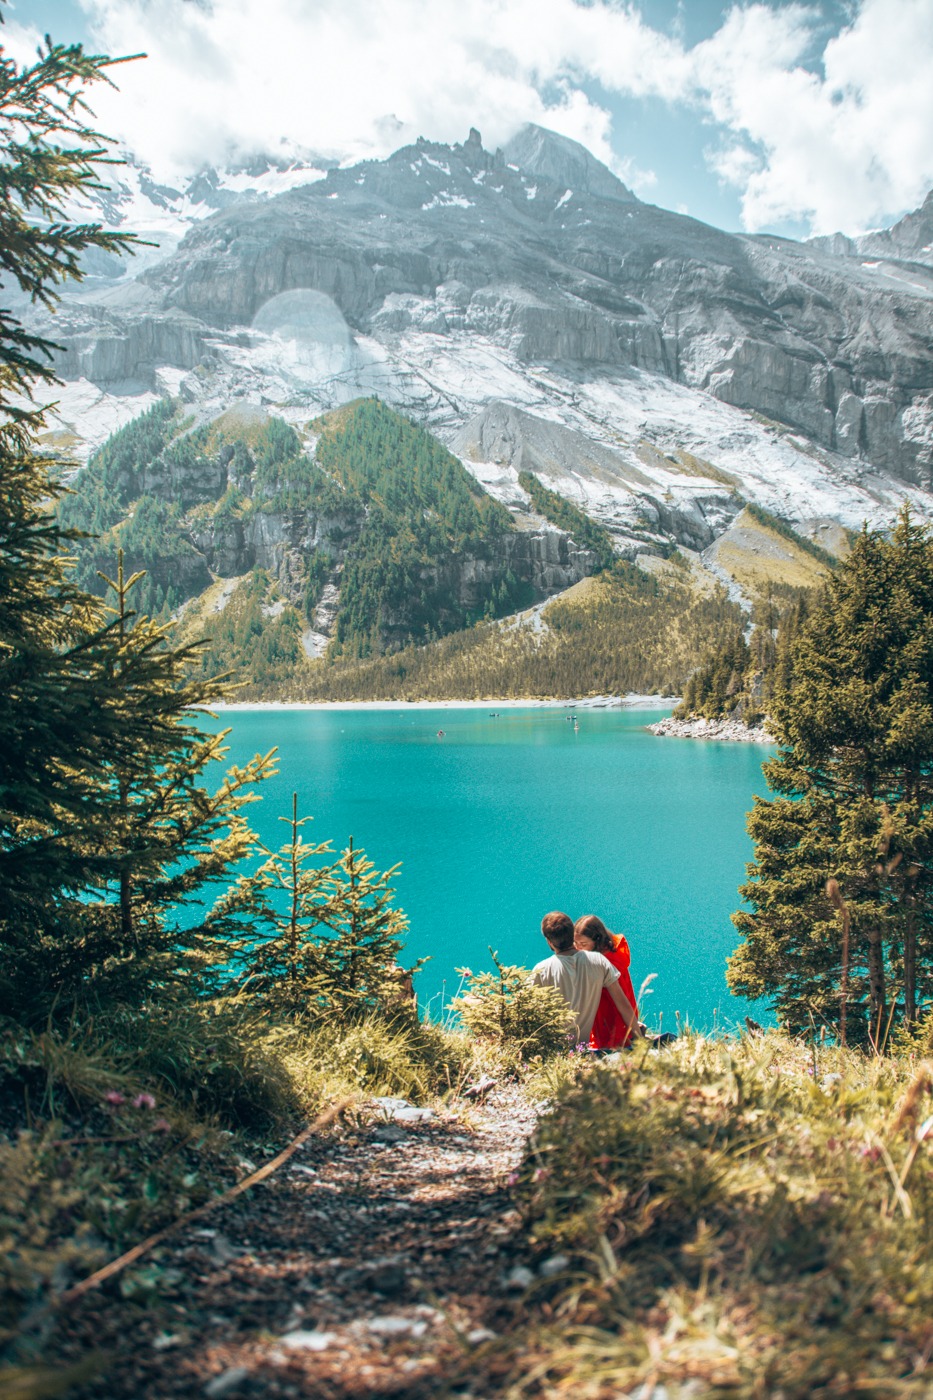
column 512, row 1179
column 144, row 1101
column 115, row 1097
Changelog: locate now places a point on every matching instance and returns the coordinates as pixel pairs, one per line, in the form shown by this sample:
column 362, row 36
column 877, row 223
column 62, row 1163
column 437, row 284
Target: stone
column 410, row 1114
column 389, row 1134
column 313, row 1340
column 519, row 1278
column 401, row 1111
column 479, row 1335
column 396, row 1326
column 556, row 1264
column 229, row 1382
column 724, row 730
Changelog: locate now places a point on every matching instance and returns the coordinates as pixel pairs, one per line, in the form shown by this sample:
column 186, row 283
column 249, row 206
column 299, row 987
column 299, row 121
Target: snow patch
column 445, row 200
column 271, row 182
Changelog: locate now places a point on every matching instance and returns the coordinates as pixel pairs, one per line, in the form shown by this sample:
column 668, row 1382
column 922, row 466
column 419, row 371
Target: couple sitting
column 590, row 968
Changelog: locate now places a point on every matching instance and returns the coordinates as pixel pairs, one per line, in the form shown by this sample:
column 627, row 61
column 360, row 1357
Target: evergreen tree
column 283, row 905
column 853, row 805
column 358, row 964
column 315, row 940
column 53, row 734
column 104, row 829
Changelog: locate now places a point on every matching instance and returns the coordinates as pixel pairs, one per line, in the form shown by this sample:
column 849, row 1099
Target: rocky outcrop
column 549, row 156
column 282, row 543
column 730, row 731
column 108, row 347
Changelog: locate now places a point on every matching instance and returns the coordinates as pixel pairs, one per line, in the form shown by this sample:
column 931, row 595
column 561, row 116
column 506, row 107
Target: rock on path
column 371, row 1264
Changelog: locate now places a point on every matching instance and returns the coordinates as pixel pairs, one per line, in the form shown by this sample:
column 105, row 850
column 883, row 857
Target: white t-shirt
column 580, row 978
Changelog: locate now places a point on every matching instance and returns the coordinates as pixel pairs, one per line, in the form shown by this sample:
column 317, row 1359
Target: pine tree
column 853, row 805
column 358, row 961
column 52, row 733
column 276, row 915
column 104, row 828
column 315, row 940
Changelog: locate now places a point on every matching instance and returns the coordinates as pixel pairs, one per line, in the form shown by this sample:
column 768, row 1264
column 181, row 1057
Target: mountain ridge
column 658, row 372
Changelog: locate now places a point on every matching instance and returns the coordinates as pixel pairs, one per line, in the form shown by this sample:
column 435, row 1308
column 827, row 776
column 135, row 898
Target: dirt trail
column 371, row 1265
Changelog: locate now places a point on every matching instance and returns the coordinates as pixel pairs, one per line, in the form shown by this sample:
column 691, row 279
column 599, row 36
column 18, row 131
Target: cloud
column 847, row 148
column 351, row 78
column 836, row 132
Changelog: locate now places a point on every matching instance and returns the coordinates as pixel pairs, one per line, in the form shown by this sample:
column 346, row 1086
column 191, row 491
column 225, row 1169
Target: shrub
column 507, row 1011
column 400, row 1057
column 215, row 1059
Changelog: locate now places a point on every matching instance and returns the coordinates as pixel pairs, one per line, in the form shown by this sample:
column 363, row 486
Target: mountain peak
column 538, row 151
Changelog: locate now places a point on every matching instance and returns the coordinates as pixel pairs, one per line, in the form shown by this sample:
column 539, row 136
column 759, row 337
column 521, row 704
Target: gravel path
column 374, row 1263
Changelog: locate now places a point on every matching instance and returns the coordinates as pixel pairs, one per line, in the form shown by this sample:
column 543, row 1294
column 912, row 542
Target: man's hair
column 558, row 930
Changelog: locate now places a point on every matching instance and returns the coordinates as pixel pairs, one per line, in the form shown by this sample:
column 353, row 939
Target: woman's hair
column 592, row 927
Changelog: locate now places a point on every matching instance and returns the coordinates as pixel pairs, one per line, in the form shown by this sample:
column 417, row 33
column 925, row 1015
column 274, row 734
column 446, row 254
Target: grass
column 740, row 1218
column 626, row 631
column 685, row 464
column 758, row 554
column 111, row 1132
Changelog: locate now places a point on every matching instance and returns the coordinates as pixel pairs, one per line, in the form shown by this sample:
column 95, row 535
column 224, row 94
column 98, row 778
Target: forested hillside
column 739, row 678
column 423, row 513
column 624, row 630
column 361, row 534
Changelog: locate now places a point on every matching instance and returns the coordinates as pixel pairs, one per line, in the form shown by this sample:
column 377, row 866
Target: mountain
column 364, row 532
column 527, row 309
column 909, row 240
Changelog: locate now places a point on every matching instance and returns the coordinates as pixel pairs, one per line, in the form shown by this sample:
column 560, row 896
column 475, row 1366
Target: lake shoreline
column 590, row 702
column 727, row 731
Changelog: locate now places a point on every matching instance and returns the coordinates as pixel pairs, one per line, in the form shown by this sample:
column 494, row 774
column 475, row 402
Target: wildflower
column 161, row 1125
column 144, row 1101
column 115, row 1097
column 540, row 1174
column 512, row 1179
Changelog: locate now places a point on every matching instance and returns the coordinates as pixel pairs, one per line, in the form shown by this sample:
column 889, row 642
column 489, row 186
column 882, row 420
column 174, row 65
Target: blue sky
column 777, row 117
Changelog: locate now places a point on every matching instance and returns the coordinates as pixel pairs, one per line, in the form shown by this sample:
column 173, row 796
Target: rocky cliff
column 655, row 369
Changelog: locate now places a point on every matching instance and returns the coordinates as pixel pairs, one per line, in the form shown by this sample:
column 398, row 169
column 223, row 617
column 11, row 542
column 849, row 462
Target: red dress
column 609, row 1030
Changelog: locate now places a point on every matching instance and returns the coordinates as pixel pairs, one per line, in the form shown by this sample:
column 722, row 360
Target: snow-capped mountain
column 533, row 313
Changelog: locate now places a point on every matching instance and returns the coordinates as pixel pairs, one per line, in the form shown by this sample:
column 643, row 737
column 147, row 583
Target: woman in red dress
column 590, row 935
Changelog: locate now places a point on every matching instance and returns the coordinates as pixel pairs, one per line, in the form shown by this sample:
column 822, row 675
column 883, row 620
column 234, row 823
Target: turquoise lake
column 504, row 818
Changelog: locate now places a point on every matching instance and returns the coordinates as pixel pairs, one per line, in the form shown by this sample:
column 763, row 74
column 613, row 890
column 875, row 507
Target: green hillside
column 424, row 513
column 376, row 510
column 623, row 630
column 363, row 529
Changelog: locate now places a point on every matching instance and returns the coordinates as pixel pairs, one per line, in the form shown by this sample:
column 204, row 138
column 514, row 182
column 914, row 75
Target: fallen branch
column 322, row 1121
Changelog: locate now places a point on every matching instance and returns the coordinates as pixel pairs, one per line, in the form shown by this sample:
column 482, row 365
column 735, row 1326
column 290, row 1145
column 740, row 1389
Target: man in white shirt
column 580, row 977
